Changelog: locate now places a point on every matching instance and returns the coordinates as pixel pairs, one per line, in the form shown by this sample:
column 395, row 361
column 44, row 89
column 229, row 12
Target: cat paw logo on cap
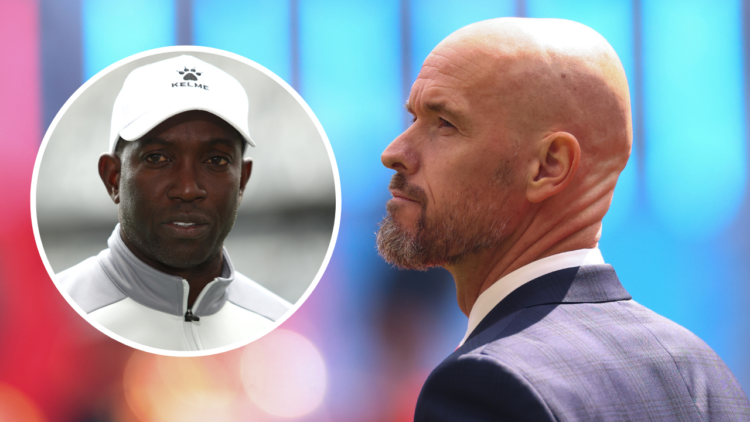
column 189, row 74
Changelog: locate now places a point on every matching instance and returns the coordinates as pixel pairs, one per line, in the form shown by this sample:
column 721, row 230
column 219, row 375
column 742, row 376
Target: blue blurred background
column 677, row 232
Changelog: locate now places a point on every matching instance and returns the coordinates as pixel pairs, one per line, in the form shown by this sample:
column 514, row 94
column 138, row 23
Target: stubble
column 477, row 220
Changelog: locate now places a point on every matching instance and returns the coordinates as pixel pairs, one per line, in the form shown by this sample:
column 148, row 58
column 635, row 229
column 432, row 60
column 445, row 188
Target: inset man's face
column 179, row 189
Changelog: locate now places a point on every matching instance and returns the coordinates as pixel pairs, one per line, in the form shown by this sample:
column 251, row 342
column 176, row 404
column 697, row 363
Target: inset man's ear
column 247, row 168
column 554, row 166
column 109, row 171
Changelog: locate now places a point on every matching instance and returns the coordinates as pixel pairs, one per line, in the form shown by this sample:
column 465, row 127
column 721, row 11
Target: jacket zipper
column 193, row 337
column 189, row 317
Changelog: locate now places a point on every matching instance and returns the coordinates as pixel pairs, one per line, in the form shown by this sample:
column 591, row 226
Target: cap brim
column 143, row 124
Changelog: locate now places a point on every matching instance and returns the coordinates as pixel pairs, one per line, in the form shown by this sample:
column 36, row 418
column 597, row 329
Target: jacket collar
column 157, row 290
column 488, row 299
column 586, row 284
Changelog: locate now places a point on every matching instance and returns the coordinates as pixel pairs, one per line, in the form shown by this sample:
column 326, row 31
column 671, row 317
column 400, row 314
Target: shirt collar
column 157, row 290
column 488, row 299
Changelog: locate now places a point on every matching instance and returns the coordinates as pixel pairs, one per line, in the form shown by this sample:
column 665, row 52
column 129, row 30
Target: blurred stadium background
column 361, row 346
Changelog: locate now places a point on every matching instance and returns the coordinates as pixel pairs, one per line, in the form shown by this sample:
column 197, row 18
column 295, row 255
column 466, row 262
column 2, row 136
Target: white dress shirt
column 488, row 299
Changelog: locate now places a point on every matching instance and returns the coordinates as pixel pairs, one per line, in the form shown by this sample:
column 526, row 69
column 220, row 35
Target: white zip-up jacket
column 149, row 307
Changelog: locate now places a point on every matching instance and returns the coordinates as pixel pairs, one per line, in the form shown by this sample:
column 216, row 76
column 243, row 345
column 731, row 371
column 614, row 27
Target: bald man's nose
column 400, row 156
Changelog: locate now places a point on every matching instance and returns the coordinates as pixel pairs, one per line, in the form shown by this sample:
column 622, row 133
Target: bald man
column 521, row 129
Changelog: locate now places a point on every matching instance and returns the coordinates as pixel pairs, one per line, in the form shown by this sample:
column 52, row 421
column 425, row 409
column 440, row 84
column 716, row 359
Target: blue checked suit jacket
column 572, row 345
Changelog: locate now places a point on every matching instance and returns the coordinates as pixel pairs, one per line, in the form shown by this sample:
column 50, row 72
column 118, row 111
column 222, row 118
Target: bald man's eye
column 156, row 158
column 218, row 161
column 444, row 123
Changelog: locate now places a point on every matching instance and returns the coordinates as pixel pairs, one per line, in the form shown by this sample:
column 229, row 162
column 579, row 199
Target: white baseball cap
column 155, row 92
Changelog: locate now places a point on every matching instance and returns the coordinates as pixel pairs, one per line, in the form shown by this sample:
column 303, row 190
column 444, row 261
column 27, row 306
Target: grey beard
column 445, row 243
column 467, row 226
column 398, row 247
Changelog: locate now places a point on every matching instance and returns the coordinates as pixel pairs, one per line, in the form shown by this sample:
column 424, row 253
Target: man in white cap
column 175, row 169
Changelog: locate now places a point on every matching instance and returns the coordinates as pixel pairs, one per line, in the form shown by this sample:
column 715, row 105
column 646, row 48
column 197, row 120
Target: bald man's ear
column 554, row 166
column 109, row 171
column 247, row 169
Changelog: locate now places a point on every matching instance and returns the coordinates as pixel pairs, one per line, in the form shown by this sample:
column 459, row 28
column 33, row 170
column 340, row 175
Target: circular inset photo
column 185, row 201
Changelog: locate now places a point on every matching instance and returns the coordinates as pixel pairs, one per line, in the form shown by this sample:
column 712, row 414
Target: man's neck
column 477, row 272
column 197, row 277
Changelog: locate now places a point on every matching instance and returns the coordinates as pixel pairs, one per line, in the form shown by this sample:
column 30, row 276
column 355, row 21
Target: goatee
column 447, row 235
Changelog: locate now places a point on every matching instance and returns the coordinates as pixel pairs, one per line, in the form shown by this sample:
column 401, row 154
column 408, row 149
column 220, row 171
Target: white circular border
column 275, row 78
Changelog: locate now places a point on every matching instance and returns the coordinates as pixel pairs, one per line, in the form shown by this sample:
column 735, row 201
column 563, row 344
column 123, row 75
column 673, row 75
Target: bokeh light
column 15, row 406
column 284, row 374
column 161, row 388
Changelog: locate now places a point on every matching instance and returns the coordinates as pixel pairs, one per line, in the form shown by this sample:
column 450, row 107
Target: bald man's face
column 457, row 189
